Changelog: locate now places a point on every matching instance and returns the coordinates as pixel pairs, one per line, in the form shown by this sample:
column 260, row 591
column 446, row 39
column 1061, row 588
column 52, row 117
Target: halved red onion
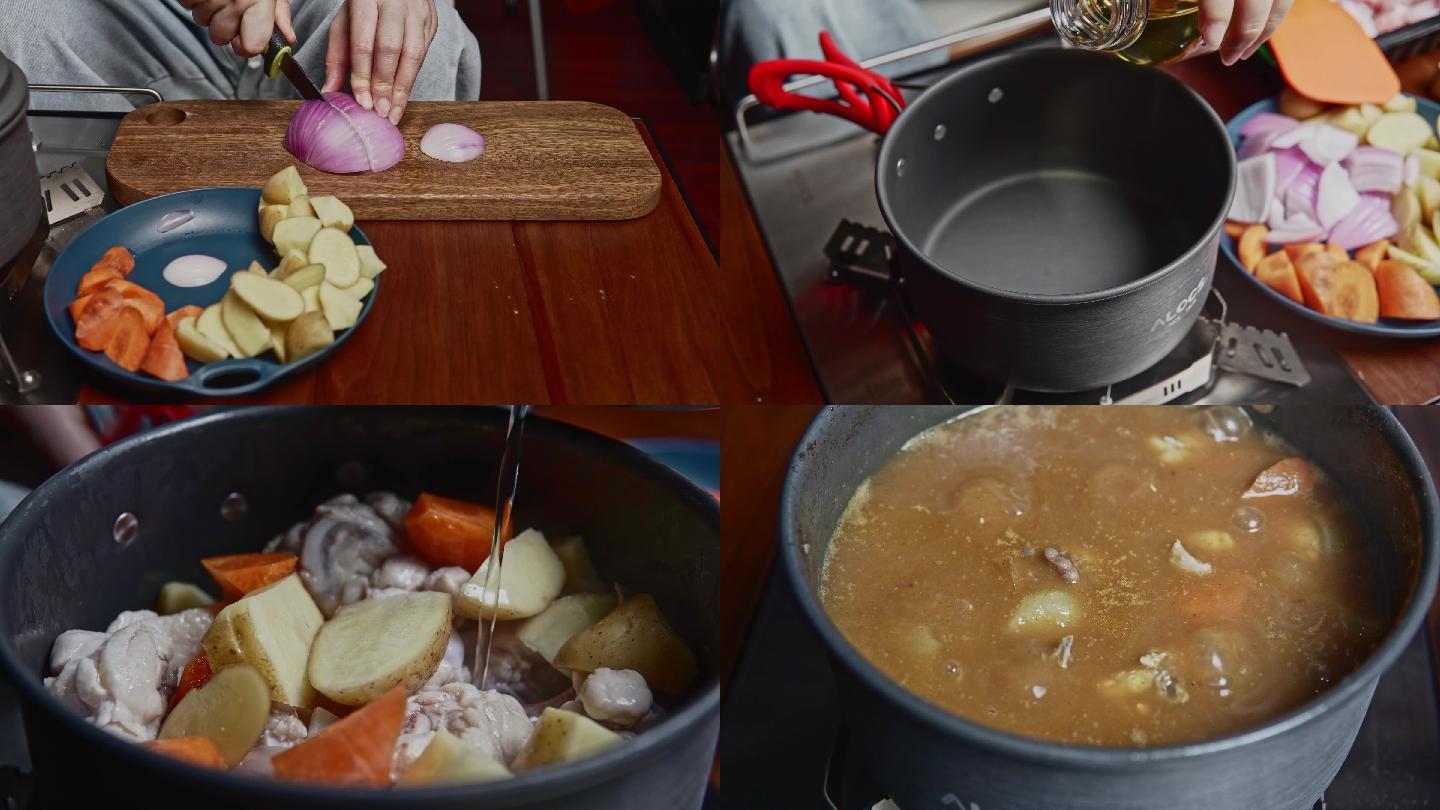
column 342, row 137
column 452, row 143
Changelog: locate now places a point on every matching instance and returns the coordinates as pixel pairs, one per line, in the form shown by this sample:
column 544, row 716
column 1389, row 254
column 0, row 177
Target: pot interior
column 1362, row 450
column 1050, row 172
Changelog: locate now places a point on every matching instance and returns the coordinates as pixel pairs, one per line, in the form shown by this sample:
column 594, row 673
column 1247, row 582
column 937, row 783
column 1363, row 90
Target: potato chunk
column 1211, row 540
column 548, row 631
column 448, row 760
column 295, row 233
column 531, row 576
column 1290, row 476
column 334, row 249
column 268, row 298
column 580, row 576
column 1045, row 611
column 231, row 709
column 1181, row 558
column 370, row 647
column 634, row 636
column 563, row 736
column 179, row 596
column 271, row 629
column 282, row 187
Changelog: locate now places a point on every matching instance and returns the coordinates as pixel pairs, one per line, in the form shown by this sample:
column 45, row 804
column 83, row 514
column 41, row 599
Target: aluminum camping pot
column 1056, row 213
column 63, row 565
column 926, row 757
column 22, row 211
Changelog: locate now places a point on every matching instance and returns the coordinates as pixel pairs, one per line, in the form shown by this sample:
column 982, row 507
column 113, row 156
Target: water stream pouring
column 505, row 487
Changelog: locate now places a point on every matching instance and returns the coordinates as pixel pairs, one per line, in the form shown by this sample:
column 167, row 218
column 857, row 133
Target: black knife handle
column 276, row 51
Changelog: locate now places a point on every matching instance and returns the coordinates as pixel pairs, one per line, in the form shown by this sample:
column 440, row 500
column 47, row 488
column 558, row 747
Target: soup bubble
column 1248, row 518
column 1224, row 423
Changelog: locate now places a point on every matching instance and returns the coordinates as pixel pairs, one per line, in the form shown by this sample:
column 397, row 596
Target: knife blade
column 278, row 59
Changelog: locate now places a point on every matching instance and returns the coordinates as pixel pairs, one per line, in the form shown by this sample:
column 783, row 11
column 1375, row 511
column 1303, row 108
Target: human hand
column 1239, row 27
column 245, row 25
column 382, row 43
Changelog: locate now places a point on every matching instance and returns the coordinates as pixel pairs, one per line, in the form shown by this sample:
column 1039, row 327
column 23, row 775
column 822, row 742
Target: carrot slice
column 1252, row 246
column 200, row 751
column 1300, row 249
column 147, row 303
column 97, row 278
column 1278, row 273
column 99, row 319
column 128, row 345
column 164, row 359
column 187, row 311
column 194, row 676
column 1404, row 293
column 78, row 306
column 239, row 574
column 1222, row 596
column 1340, row 289
column 355, row 750
column 1288, row 476
column 118, row 258
column 447, row 531
column 1338, row 252
column 1372, row 254
column 1233, row 229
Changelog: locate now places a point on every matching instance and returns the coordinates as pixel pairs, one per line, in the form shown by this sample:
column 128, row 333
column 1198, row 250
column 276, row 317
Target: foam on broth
column 1095, row 576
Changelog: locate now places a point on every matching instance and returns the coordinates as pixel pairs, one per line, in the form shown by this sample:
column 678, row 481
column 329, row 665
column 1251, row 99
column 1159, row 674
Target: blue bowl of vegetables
column 1319, row 200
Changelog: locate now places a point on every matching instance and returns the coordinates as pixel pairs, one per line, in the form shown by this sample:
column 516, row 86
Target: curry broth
column 1094, row 575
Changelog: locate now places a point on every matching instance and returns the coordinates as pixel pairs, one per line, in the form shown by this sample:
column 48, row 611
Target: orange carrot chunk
column 97, row 278
column 200, row 751
column 1404, row 293
column 447, row 531
column 187, row 311
column 1277, row 273
column 1288, row 476
column 194, row 676
column 355, row 750
column 117, row 258
column 164, row 359
column 147, row 303
column 1372, row 254
column 99, row 319
column 239, row 574
column 1338, row 252
column 1252, row 246
column 78, row 306
column 1233, row 228
column 1298, row 249
column 129, row 343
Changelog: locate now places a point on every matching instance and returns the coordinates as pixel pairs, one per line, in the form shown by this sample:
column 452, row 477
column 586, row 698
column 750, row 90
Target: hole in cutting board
column 166, row 116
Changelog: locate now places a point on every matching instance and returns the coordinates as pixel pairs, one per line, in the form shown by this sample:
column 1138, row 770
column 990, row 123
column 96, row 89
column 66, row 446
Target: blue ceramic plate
column 225, row 226
column 1386, row 327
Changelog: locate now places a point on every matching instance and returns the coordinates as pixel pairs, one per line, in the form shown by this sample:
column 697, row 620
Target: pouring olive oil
column 1146, row 32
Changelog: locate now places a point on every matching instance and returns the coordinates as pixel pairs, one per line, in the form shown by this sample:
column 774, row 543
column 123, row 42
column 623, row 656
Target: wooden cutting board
column 543, row 160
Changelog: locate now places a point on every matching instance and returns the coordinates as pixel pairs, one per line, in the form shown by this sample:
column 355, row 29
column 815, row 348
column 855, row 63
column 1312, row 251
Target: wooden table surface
column 547, row 312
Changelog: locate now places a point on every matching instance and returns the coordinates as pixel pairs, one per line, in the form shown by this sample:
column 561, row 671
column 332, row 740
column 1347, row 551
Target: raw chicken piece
column 494, row 723
column 391, row 508
column 517, row 670
column 616, row 696
column 401, row 573
column 447, row 580
column 452, row 667
column 259, row 762
column 339, row 550
column 283, row 729
column 123, row 682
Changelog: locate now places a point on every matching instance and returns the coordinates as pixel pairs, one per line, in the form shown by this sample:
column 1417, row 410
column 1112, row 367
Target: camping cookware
column 64, row 565
column 1056, row 212
column 22, row 210
column 924, row 755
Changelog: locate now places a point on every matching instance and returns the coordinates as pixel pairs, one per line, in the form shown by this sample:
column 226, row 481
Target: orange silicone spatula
column 1325, row 55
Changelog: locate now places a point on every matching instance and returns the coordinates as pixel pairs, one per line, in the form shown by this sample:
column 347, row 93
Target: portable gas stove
column 810, row 181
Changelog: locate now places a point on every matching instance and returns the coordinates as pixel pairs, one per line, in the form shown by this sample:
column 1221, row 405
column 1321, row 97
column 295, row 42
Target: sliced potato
column 1429, row 162
column 340, row 309
column 231, row 709
column 1044, row 612
column 531, row 576
column 449, row 760
column 372, row 646
column 270, row 216
column 270, row 299
column 311, row 296
column 196, row 345
column 370, row 264
column 274, row 628
column 332, row 212
column 294, row 260
column 359, row 289
column 1400, row 103
column 634, row 636
column 212, row 325
column 546, row 632
column 580, row 576
column 1350, row 119
column 300, row 206
column 277, row 340
column 179, row 596
column 1406, row 208
column 1399, row 131
column 250, row 333
column 308, row 276
column 283, row 186
column 222, row 646
column 563, row 736
column 307, row 335
column 1428, row 189
column 295, row 233
column 334, row 249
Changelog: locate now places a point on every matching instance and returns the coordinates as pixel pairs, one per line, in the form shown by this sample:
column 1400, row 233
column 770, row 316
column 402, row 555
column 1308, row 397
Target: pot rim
column 631, row 757
column 1208, row 239
column 1118, row 758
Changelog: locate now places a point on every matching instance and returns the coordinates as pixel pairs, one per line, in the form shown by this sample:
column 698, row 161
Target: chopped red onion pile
column 341, row 137
column 452, row 143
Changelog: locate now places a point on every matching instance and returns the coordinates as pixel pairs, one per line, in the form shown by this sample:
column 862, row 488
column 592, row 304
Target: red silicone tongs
column 866, row 97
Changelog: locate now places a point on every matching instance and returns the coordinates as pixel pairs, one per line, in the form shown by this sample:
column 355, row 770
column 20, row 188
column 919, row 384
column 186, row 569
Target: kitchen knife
column 278, row 60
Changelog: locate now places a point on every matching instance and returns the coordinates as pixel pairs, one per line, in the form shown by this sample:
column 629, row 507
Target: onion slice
column 1254, row 188
column 1326, row 144
column 1336, row 196
column 1298, row 228
column 1370, row 221
column 452, row 143
column 339, row 136
column 1374, row 169
column 1268, row 122
column 193, row 270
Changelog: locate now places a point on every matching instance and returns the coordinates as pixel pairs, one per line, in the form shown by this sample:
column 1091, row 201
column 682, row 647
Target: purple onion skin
column 342, row 137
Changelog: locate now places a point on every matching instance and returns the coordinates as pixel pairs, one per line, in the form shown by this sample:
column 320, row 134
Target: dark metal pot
column 1057, row 214
column 23, row 225
column 60, row 568
column 928, row 758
